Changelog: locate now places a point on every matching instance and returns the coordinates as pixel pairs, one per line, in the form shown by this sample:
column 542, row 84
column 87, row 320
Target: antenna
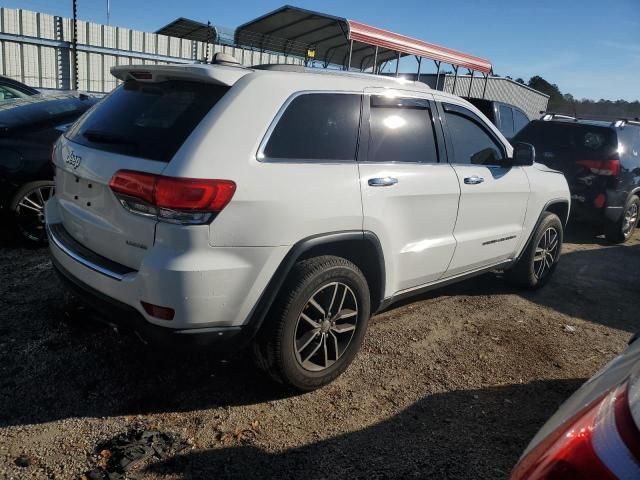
column 108, row 12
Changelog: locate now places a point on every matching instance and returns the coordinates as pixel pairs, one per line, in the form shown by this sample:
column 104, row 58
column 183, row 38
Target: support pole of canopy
column 455, row 79
column 350, row 52
column 486, row 80
column 419, row 65
column 470, row 83
column 398, row 64
column 437, row 73
column 375, row 60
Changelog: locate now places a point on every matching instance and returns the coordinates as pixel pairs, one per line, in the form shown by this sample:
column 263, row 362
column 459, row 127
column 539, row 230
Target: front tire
column 538, row 262
column 317, row 325
column 622, row 230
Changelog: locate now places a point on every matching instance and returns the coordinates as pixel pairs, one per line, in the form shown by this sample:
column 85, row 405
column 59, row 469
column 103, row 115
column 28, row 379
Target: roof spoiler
column 216, row 74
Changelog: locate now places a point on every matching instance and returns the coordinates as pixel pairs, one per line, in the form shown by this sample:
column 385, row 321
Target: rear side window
column 147, row 120
column 401, row 130
column 506, row 121
column 520, row 121
column 472, row 142
column 317, row 126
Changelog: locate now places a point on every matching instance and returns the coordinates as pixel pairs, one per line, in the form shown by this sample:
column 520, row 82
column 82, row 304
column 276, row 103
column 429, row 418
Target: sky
column 589, row 48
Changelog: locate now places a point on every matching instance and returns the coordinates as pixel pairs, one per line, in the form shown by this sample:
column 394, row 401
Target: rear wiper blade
column 104, row 137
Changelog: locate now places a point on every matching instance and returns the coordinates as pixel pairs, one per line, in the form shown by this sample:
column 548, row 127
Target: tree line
column 565, row 103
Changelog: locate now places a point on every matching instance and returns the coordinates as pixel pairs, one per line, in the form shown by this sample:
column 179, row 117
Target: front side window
column 401, row 130
column 317, row 126
column 472, row 143
column 506, row 121
column 520, row 121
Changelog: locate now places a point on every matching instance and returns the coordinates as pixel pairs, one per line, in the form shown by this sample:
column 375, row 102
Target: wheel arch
column 635, row 191
column 363, row 248
column 559, row 207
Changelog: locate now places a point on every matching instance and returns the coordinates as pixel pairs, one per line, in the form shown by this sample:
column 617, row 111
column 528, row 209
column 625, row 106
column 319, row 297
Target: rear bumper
column 128, row 318
column 583, row 208
column 212, row 290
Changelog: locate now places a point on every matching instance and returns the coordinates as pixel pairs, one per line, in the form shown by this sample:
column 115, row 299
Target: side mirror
column 524, row 154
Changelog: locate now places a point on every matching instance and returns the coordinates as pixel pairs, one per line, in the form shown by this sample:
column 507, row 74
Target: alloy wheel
column 546, row 253
column 29, row 212
column 630, row 219
column 326, row 326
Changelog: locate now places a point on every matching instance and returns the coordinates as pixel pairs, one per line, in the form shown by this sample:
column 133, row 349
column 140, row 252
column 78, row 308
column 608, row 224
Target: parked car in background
column 205, row 211
column 601, row 161
column 508, row 118
column 11, row 89
column 595, row 434
column 28, row 128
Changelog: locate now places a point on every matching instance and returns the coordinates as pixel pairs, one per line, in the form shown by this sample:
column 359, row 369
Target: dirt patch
column 453, row 384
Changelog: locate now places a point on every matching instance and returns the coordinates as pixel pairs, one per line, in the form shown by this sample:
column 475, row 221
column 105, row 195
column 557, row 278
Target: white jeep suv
column 236, row 206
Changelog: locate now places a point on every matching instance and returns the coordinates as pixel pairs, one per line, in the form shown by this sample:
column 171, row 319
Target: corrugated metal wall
column 500, row 89
column 35, row 49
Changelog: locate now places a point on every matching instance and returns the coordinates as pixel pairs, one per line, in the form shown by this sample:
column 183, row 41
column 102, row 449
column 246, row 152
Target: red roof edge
column 359, row 32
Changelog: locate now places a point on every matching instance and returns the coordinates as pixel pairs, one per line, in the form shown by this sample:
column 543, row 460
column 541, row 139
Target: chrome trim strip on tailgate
column 59, row 236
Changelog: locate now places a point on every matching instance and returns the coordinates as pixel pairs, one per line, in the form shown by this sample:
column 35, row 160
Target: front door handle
column 473, row 180
column 382, row 181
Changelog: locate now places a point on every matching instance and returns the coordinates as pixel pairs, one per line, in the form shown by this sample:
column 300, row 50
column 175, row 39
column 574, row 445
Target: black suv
column 601, row 161
column 508, row 118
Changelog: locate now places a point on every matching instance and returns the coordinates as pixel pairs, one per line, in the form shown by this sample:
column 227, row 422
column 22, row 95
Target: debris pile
column 126, row 452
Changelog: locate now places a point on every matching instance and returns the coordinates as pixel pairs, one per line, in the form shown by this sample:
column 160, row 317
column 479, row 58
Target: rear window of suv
column 569, row 140
column 147, row 120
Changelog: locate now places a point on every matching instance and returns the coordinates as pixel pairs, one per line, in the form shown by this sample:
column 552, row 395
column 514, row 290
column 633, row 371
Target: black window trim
column 262, row 158
column 365, row 130
column 463, row 111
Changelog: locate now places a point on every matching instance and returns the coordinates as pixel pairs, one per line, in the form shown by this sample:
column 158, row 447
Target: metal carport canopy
column 190, row 30
column 362, row 33
column 293, row 31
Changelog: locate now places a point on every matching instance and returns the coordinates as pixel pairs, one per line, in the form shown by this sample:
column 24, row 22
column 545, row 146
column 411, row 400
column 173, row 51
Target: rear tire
column 317, row 324
column 538, row 262
column 622, row 230
column 27, row 208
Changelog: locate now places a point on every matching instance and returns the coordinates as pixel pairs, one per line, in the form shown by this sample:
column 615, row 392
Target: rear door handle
column 382, row 181
column 473, row 180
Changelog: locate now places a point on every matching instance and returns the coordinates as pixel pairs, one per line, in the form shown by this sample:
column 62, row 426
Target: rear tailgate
column 571, row 148
column 139, row 127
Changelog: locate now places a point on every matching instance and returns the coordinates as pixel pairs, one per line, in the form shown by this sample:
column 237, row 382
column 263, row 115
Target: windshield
column 147, row 120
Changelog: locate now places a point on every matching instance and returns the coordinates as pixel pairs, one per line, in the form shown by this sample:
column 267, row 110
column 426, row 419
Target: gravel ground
column 450, row 385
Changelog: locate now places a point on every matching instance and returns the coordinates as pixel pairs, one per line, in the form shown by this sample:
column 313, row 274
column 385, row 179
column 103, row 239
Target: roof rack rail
column 552, row 116
column 624, row 121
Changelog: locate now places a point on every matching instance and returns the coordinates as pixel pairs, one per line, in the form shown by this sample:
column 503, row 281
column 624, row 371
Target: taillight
column 608, row 168
column 600, row 442
column 171, row 199
column 600, row 200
